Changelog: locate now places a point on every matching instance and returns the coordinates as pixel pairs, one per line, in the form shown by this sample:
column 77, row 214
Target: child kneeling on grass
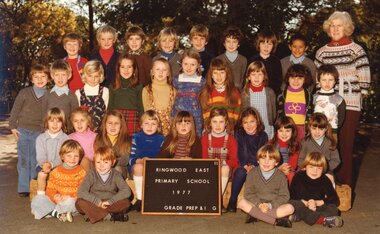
column 104, row 194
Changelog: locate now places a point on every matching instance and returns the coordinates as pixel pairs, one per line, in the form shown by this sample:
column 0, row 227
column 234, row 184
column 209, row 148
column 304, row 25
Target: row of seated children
column 182, row 142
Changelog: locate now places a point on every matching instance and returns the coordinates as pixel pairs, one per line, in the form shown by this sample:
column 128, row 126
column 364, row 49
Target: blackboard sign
column 181, row 187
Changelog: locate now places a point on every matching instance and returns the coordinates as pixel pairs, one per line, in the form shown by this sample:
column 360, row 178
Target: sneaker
column 333, row 221
column 69, row 217
column 136, row 206
column 283, row 222
column 24, row 194
column 122, row 217
column 250, row 219
column 224, row 210
column 62, row 217
column 294, row 218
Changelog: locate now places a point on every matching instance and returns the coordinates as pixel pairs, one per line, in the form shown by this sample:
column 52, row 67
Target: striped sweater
column 354, row 72
column 64, row 181
column 217, row 99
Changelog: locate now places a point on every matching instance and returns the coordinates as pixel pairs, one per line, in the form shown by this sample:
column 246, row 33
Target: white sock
column 39, row 192
column 138, row 186
column 224, row 183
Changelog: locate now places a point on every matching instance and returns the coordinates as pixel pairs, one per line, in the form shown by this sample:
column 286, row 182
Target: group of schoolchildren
column 122, row 108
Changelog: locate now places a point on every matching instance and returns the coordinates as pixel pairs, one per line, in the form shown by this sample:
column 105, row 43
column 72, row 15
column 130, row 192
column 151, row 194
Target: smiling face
column 113, row 125
column 284, row 134
column 126, row 68
column 80, row 123
column 317, row 133
column 336, row 29
column 93, row 78
column 106, row 40
column 189, row 66
column 231, row 44
column 298, row 48
column 135, row 42
column 149, row 126
column 198, row 42
column 60, row 77
column 160, row 71
column 72, row 48
column 266, row 163
column 314, row 172
column 296, row 82
column 218, row 124
column 256, row 78
column 219, row 77
column 249, row 124
column 266, row 48
column 40, row 79
column 103, row 166
column 71, row 159
column 167, row 44
column 327, row 82
column 54, row 125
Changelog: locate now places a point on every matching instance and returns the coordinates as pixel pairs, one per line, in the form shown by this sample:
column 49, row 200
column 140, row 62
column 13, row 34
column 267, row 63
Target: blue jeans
column 26, row 164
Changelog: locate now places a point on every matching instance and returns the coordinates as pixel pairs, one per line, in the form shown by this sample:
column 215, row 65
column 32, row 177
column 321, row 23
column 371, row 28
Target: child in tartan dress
column 188, row 85
column 93, row 97
column 125, row 93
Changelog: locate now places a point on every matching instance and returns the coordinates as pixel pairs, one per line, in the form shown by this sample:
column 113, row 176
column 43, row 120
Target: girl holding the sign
column 218, row 143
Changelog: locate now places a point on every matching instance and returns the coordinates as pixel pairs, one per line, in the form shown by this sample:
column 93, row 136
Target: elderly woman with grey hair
column 354, row 80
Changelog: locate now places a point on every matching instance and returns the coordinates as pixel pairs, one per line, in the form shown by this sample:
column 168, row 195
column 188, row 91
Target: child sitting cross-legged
column 266, row 190
column 103, row 194
column 313, row 195
column 62, row 186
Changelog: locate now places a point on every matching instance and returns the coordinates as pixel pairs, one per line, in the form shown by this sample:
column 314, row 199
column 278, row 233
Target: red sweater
column 217, row 142
column 77, row 66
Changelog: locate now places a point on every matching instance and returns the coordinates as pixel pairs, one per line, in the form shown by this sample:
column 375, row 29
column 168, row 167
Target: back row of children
column 170, row 98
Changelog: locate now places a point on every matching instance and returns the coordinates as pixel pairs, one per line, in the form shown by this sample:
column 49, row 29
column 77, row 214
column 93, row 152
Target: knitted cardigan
column 354, row 72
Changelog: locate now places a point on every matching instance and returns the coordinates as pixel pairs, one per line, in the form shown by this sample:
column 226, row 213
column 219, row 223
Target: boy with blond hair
column 167, row 43
column 106, row 54
column 60, row 95
column 72, row 43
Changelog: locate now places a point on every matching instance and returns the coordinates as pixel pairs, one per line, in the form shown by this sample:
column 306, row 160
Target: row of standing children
column 190, row 63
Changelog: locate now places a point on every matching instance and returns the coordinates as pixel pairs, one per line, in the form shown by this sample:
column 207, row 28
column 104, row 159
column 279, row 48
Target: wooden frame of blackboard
column 219, row 204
